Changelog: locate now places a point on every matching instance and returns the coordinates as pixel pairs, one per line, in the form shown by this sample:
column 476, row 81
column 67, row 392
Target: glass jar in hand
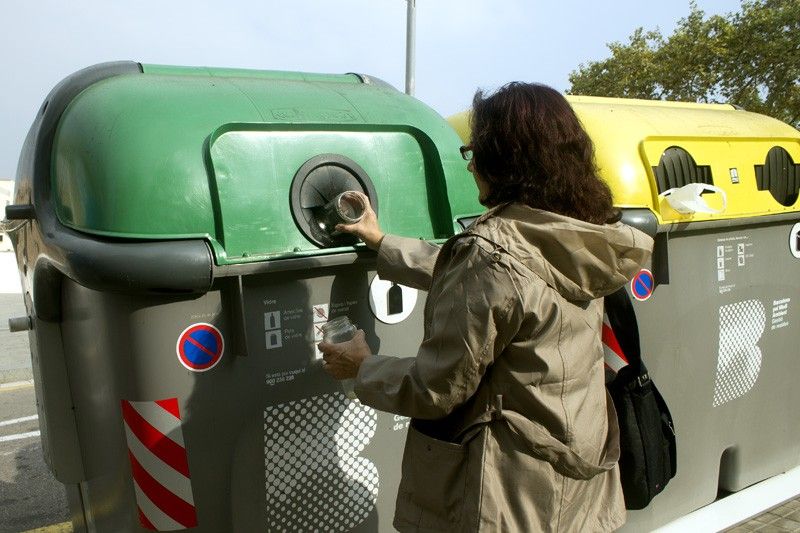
column 337, row 330
column 347, row 208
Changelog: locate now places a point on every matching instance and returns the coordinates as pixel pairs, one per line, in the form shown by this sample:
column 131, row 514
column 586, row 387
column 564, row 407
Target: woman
column 512, row 429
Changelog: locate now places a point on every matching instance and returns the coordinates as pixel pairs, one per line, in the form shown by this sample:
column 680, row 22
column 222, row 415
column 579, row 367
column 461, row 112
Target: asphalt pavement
column 30, row 497
column 15, row 355
column 15, row 361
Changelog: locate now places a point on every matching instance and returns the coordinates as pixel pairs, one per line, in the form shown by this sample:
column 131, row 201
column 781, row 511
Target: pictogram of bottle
column 273, row 340
column 394, row 300
column 337, row 330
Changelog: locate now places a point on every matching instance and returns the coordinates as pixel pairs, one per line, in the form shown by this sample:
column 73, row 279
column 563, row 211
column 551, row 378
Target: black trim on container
column 20, row 212
column 759, row 220
column 677, row 168
column 645, row 221
column 360, row 255
column 95, row 262
column 642, row 219
column 780, row 176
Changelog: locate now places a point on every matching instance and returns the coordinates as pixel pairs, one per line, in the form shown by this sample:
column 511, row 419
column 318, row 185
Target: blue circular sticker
column 642, row 285
column 200, row 347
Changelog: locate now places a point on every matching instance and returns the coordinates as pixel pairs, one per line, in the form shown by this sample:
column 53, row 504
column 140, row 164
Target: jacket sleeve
column 407, row 261
column 476, row 314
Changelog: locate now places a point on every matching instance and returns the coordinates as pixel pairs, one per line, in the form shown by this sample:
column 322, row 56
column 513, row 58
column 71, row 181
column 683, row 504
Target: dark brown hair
column 530, row 147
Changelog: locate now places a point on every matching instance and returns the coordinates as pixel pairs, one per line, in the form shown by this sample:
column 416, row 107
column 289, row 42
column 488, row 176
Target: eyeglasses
column 466, row 152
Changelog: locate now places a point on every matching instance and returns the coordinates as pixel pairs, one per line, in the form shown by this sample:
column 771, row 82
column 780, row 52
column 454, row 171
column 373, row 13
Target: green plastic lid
column 179, row 153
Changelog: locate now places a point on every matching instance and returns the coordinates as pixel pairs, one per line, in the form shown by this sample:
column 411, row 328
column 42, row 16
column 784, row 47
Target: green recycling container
column 177, row 277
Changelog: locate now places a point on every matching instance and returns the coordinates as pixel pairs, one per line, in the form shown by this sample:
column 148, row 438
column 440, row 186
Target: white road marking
column 18, row 420
column 20, row 436
column 14, row 385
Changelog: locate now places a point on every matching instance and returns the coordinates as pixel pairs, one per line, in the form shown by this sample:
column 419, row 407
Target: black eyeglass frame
column 466, row 152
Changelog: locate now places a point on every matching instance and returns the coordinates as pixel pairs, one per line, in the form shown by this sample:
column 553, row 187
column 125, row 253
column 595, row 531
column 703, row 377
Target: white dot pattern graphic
column 315, row 479
column 741, row 326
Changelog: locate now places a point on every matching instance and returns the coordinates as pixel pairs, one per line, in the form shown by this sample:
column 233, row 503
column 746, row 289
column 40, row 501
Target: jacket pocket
column 434, row 475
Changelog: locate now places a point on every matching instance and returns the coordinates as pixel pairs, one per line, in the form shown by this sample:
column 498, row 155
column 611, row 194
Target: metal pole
column 410, row 41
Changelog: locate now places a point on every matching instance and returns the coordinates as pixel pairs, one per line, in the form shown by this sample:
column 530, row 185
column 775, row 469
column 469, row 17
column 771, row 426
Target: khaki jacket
column 512, row 429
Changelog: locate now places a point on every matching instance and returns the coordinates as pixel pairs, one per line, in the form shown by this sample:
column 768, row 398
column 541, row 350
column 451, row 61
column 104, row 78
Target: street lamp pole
column 410, row 41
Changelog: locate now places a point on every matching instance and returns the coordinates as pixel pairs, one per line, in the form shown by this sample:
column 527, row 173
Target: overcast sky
column 461, row 44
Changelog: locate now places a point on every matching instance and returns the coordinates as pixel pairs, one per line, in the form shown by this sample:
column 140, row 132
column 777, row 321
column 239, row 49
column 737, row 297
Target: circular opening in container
column 322, row 196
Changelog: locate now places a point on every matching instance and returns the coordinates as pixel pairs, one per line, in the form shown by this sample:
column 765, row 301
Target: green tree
column 750, row 58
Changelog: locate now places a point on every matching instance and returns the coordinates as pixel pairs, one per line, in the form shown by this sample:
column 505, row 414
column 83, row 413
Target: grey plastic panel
column 721, row 344
column 240, row 415
column 61, row 446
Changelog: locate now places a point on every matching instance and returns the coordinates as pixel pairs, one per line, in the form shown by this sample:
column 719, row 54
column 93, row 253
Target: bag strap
column 622, row 319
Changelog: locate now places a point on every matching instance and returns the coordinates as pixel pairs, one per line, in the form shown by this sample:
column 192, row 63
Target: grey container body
column 272, row 443
column 721, row 343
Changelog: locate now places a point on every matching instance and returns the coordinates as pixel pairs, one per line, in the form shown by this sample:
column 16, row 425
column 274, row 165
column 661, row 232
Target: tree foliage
column 750, row 58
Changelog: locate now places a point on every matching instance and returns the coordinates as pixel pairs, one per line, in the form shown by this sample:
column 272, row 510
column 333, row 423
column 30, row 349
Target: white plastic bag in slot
column 688, row 199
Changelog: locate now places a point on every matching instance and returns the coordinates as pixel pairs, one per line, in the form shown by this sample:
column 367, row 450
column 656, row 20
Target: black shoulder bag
column 647, row 434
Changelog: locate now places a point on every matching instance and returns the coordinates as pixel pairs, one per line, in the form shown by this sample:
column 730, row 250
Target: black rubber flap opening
column 319, row 181
column 780, row 175
column 677, row 168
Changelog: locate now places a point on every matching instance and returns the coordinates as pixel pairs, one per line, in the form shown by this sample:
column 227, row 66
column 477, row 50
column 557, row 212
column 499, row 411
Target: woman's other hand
column 367, row 229
column 342, row 360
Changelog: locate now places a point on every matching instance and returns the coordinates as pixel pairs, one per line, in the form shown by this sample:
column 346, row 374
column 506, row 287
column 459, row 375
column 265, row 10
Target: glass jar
column 347, row 208
column 337, row 330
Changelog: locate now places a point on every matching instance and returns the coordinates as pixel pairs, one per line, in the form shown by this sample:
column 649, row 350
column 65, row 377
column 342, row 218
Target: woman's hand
column 342, row 360
column 367, row 229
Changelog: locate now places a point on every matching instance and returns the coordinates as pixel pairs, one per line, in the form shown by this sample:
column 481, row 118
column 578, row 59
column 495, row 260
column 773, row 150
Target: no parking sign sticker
column 642, row 285
column 200, row 347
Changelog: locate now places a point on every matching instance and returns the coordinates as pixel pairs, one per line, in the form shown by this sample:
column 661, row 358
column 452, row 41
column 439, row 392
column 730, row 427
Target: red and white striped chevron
column 159, row 464
column 614, row 358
